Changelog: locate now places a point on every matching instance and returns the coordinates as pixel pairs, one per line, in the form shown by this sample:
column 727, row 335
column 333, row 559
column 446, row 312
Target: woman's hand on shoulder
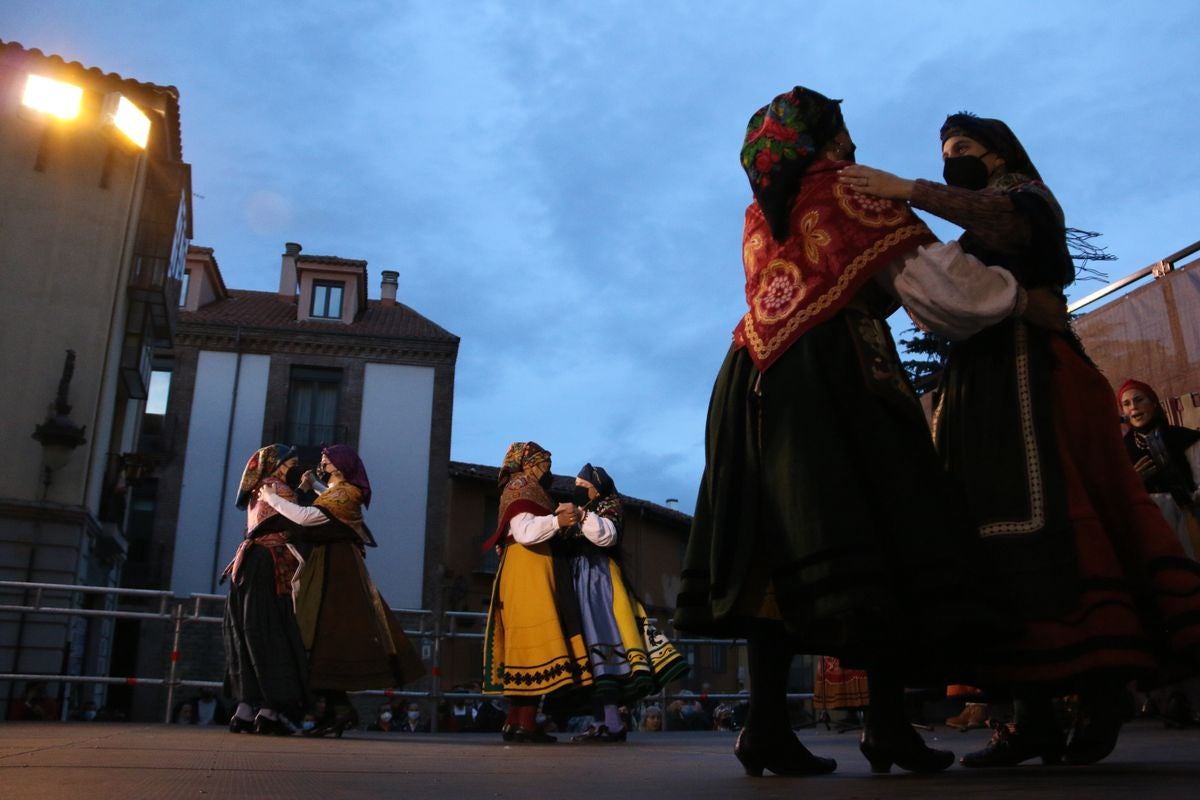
column 875, row 182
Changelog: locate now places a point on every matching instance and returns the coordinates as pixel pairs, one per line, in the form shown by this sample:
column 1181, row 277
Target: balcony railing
column 153, row 283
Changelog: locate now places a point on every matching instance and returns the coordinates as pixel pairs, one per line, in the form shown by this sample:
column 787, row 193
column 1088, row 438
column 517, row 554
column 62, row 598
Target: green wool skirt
column 823, row 503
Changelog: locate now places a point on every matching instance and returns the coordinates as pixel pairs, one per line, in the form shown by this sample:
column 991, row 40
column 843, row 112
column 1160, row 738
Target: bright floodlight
column 126, row 117
column 53, row 97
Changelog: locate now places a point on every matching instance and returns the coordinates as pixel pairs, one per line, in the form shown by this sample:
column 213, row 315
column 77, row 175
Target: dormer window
column 327, row 300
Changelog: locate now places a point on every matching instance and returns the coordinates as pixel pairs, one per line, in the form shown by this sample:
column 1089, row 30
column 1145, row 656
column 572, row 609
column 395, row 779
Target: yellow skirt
column 526, row 652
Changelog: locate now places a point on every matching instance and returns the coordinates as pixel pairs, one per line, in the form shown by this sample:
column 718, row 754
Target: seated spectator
column 458, row 714
column 33, row 704
column 209, row 709
column 185, row 714
column 652, row 719
column 384, row 721
column 414, row 721
column 723, row 718
column 489, row 715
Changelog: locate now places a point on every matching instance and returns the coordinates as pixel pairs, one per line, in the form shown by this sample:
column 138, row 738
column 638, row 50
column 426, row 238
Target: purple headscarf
column 347, row 462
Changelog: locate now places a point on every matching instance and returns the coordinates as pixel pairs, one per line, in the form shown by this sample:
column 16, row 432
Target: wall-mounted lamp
column 59, row 434
column 49, row 96
column 124, row 115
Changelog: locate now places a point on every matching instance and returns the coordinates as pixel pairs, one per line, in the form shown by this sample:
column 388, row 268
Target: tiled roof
column 271, row 310
column 15, row 55
column 563, row 486
column 348, row 262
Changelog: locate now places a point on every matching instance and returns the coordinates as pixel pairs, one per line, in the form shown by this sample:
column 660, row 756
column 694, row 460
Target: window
column 183, row 287
column 160, row 386
column 327, row 300
column 312, row 406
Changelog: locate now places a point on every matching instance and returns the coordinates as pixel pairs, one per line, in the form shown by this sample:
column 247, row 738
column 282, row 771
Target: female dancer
column 1024, row 421
column 354, row 640
column 824, row 523
column 629, row 658
column 265, row 666
column 533, row 644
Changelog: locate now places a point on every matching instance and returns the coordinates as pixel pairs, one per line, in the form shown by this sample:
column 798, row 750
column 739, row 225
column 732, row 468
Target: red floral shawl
column 838, row 240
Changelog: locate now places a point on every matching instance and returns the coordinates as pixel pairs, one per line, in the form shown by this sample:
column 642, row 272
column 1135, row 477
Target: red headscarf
column 1144, row 388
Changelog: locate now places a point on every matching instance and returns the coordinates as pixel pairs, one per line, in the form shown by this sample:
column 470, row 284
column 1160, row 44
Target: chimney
column 287, row 271
column 387, row 287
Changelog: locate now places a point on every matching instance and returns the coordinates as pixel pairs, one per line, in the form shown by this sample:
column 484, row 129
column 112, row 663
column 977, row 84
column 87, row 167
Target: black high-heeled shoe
column 239, row 725
column 783, row 755
column 600, row 734
column 903, row 747
column 270, row 727
column 1093, row 737
column 535, row 736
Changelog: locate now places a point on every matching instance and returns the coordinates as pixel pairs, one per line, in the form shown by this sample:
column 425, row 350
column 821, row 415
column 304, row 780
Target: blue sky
column 558, row 182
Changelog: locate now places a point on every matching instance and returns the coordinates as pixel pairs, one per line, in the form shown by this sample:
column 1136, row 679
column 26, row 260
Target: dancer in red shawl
column 354, row 640
column 824, row 523
column 265, row 665
column 1024, row 421
column 533, row 645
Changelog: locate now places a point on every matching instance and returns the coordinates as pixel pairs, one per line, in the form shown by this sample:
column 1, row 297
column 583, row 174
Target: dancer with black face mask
column 1024, row 421
column 824, row 523
column 627, row 655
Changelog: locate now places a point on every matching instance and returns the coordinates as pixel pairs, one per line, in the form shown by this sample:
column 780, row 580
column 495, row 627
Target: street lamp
column 59, row 434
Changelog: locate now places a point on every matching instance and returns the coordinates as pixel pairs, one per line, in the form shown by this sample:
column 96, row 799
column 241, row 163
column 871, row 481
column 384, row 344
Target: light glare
column 52, row 97
column 130, row 120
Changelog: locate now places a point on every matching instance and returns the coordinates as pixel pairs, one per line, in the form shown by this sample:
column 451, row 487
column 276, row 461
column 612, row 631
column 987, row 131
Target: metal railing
column 1158, row 269
column 177, row 611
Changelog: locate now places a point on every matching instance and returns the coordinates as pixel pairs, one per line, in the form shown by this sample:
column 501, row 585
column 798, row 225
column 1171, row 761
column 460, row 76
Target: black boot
column 767, row 740
column 888, row 737
column 1097, row 724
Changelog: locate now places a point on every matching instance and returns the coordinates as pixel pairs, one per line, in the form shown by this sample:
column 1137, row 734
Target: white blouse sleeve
column 599, row 530
column 308, row 516
column 530, row 529
column 951, row 293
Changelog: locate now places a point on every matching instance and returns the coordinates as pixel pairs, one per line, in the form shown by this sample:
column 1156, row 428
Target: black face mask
column 293, row 476
column 580, row 496
column 546, row 480
column 965, row 172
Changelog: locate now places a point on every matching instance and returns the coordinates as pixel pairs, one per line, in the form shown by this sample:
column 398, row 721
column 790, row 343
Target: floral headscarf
column 522, row 457
column 261, row 465
column 521, row 491
column 347, row 462
column 782, row 139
